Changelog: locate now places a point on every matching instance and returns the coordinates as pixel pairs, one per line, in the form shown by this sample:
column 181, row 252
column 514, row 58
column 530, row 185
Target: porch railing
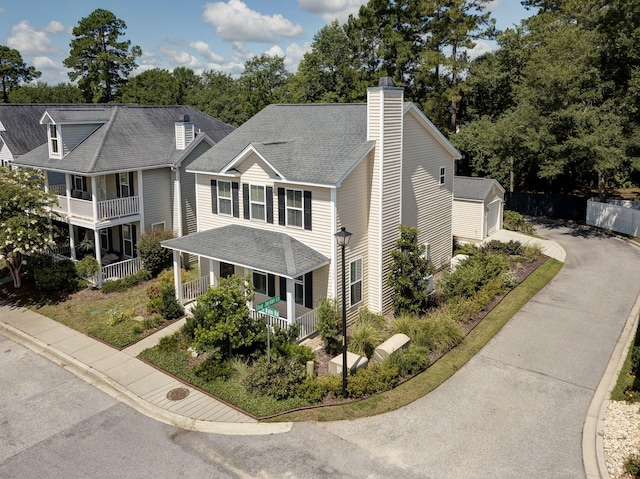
column 58, row 189
column 121, row 269
column 191, row 290
column 307, row 321
column 107, row 209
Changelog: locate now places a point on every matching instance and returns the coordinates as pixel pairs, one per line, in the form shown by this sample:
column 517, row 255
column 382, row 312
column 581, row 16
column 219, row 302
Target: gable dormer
column 67, row 128
column 185, row 132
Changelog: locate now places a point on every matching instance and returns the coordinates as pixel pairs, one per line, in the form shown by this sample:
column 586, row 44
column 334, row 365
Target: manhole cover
column 177, row 394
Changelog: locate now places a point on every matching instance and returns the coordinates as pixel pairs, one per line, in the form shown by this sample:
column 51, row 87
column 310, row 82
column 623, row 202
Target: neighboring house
column 477, row 207
column 118, row 170
column 272, row 195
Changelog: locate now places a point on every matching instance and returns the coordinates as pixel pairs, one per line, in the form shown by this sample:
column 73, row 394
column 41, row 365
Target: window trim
column 299, row 281
column 124, row 183
column 225, row 199
column 76, row 179
column 257, row 203
column 127, row 227
column 443, row 175
column 353, row 283
column 54, row 140
column 104, row 236
column 287, row 208
column 162, row 225
column 266, row 282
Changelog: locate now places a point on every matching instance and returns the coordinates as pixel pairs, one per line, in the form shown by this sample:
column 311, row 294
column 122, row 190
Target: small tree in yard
column 329, row 324
column 154, row 257
column 24, row 226
column 221, row 321
column 408, row 272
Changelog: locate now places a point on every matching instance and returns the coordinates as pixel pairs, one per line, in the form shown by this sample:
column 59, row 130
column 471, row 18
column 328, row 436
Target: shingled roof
column 472, row 188
column 313, row 143
column 21, row 124
column 127, row 137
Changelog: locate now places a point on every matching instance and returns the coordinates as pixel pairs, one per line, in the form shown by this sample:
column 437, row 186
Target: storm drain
column 177, row 394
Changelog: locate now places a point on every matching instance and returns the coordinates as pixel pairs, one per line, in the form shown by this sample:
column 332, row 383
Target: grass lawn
column 627, row 387
column 91, row 312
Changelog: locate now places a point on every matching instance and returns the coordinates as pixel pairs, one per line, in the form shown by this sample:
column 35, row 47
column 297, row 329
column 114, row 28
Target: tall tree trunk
column 15, row 273
column 602, row 185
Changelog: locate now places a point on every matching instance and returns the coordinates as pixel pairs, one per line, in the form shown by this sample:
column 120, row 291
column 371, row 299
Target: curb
column 123, row 395
column 592, row 433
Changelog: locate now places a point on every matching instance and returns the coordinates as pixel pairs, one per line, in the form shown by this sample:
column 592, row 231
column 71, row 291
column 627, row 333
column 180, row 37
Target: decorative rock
column 354, row 362
column 621, row 437
column 457, row 259
column 397, row 342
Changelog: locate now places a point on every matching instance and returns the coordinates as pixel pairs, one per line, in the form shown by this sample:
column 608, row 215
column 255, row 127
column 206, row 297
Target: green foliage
column 329, row 324
column 25, row 229
column 438, row 332
column 411, row 360
column 212, row 368
column 514, row 221
column 315, row 390
column 119, row 285
column 168, row 305
column 221, row 321
column 632, row 466
column 472, row 274
column 531, row 252
column 13, row 71
column 42, row 92
column 279, row 378
column 52, row 275
column 262, row 82
column 408, row 272
column 154, row 257
column 98, row 61
column 365, row 337
column 511, row 248
column 87, row 267
column 376, row 378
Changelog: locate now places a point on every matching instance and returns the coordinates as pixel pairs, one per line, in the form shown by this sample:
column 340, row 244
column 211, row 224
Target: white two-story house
column 118, row 170
column 272, row 195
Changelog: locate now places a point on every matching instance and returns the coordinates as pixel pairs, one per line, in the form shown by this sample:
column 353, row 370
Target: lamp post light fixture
column 343, row 237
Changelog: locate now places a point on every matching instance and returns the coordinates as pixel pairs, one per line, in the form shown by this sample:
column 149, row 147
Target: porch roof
column 257, row 249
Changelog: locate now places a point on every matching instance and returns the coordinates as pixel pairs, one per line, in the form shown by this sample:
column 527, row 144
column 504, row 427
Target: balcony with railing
column 81, row 206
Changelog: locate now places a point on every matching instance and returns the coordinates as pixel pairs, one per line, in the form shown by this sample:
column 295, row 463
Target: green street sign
column 268, row 302
column 272, row 312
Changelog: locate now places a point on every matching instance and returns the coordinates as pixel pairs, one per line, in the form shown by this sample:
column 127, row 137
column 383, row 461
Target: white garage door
column 493, row 217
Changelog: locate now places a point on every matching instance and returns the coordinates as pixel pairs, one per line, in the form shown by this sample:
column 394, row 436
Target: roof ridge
column 112, row 118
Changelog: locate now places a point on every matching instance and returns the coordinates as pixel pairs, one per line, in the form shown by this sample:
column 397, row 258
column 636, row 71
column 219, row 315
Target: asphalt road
column 516, row 410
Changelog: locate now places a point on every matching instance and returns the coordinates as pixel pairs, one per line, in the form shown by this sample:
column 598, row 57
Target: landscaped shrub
column 87, row 268
column 472, row 274
column 154, row 257
column 279, row 378
column 52, row 275
column 514, row 221
column 212, row 369
column 330, row 324
column 166, row 304
column 314, row 390
column 411, row 360
column 531, row 252
column 438, row 332
column 119, row 285
column 632, row 466
column 404, row 324
column 377, row 377
column 365, row 337
column 511, row 248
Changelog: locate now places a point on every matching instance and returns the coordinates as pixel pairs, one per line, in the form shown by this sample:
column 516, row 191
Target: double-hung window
column 53, row 139
column 224, row 198
column 124, row 185
column 260, row 282
column 443, row 175
column 294, row 208
column 299, row 290
column 78, row 182
column 355, row 281
column 127, row 241
column 257, row 203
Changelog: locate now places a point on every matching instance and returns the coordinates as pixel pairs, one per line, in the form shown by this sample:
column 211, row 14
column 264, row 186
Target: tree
column 263, row 82
column 151, row 87
column 43, row 93
column 218, row 95
column 100, row 62
column 154, row 257
column 13, row 71
column 408, row 273
column 221, row 321
column 25, row 229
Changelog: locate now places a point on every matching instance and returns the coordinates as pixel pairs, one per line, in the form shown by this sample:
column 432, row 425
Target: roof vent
column 385, row 81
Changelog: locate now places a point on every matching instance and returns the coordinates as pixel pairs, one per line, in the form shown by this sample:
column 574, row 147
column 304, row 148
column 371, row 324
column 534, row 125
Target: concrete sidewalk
column 126, row 378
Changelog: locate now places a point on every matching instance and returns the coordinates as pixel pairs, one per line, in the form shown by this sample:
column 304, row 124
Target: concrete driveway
column 517, row 409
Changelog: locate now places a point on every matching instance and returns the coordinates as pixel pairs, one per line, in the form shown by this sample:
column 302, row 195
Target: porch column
column 143, row 227
column 72, row 241
column 291, row 302
column 177, row 280
column 97, row 250
column 246, row 272
column 94, row 203
column 213, row 272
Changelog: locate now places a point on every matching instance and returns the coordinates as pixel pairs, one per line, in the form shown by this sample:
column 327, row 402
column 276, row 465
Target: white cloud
column 53, row 72
column 294, row 54
column 332, row 9
column 54, row 27
column 181, row 58
column 235, row 22
column 480, row 49
column 31, row 41
column 203, row 49
column 275, row 51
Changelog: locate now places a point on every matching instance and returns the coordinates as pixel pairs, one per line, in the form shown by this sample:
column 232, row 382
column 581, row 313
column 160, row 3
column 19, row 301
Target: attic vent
column 385, row 81
column 185, row 133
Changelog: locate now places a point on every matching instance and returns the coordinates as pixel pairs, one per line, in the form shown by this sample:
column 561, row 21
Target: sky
column 215, row 35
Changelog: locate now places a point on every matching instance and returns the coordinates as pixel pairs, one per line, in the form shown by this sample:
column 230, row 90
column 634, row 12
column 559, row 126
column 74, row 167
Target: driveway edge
column 592, row 433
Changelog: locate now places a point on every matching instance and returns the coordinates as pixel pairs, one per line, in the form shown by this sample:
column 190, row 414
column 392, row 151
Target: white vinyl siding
column 468, row 220
column 426, row 204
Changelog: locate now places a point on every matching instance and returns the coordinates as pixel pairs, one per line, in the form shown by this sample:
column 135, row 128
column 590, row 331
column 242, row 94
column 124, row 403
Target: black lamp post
column 343, row 237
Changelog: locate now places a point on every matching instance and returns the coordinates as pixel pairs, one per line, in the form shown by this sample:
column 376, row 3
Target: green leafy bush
column 315, row 390
column 330, row 324
column 365, row 337
column 168, row 305
column 438, row 332
column 404, row 324
column 472, row 274
column 154, row 257
column 212, row 369
column 514, row 221
column 532, row 252
column 511, row 248
column 377, row 377
column 87, row 267
column 119, row 285
column 411, row 360
column 278, row 379
column 52, row 275
column 632, row 466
